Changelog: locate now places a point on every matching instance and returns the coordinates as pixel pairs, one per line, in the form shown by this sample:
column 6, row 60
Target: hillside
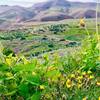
column 52, row 10
column 16, row 13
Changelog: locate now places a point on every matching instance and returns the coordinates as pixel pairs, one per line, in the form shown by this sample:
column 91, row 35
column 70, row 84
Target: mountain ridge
column 52, row 10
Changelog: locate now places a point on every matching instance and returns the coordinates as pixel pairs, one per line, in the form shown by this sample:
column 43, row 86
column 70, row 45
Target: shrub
column 8, row 51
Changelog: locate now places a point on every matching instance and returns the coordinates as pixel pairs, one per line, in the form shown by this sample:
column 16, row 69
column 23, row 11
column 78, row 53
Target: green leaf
column 22, row 67
column 24, row 90
column 35, row 80
column 36, row 96
column 3, row 67
column 10, row 93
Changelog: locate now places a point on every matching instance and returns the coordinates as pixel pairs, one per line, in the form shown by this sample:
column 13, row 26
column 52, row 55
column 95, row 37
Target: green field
column 39, row 39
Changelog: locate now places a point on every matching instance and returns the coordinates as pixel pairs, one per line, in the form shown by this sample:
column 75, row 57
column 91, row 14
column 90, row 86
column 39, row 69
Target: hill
column 52, row 10
column 15, row 13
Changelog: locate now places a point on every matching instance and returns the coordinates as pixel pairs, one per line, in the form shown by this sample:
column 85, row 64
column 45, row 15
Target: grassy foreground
column 75, row 76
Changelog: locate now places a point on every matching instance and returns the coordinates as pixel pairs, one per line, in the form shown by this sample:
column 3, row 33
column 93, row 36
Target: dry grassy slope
column 15, row 13
column 53, row 10
column 58, row 12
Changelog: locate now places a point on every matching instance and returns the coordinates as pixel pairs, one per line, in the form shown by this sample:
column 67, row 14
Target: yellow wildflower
column 99, row 98
column 25, row 61
column 79, row 85
column 83, row 73
column 9, row 74
column 69, row 83
column 89, row 72
column 79, row 71
column 72, row 76
column 8, row 61
column 60, row 75
column 84, row 98
column 82, row 22
column 91, row 77
column 99, row 58
column 79, row 81
column 42, row 87
column 51, row 68
column 80, row 77
column 33, row 73
column 98, row 83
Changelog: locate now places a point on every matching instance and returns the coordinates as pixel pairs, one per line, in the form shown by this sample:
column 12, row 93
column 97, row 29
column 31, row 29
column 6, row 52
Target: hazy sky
column 30, row 2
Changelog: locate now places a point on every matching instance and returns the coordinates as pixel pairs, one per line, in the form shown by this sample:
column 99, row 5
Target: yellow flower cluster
column 99, row 98
column 79, row 79
column 9, row 74
column 69, row 83
column 10, row 60
column 51, row 68
column 98, row 83
column 84, row 98
column 33, row 73
column 42, row 87
column 82, row 22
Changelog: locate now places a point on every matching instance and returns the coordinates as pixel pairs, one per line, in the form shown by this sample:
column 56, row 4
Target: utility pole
column 97, row 8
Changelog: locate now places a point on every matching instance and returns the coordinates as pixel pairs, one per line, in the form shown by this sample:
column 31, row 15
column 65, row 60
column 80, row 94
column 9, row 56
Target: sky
column 28, row 3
